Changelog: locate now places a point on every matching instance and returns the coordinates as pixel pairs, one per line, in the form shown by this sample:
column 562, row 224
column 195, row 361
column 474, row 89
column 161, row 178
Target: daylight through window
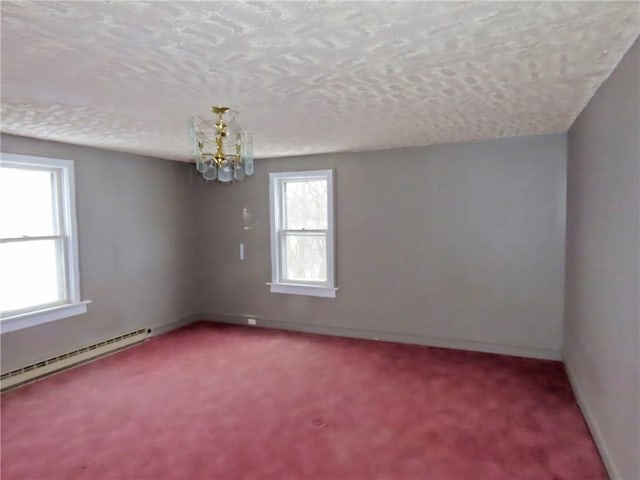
column 302, row 233
column 38, row 257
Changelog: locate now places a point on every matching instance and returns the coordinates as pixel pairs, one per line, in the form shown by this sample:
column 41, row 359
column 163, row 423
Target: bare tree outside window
column 302, row 233
column 305, row 225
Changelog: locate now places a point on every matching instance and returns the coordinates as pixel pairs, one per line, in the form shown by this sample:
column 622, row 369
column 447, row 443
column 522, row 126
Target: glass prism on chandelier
column 221, row 149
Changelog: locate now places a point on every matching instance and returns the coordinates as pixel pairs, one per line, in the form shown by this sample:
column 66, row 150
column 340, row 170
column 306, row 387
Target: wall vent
column 37, row 370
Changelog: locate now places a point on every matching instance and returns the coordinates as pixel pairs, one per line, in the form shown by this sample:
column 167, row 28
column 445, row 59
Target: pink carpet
column 224, row 402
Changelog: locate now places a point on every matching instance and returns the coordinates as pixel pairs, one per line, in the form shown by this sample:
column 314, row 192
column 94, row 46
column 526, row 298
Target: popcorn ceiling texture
column 307, row 77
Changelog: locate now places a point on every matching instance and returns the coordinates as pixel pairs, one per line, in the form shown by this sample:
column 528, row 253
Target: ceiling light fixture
column 221, row 149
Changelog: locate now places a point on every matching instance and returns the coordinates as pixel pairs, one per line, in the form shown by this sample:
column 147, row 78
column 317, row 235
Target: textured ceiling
column 307, row 77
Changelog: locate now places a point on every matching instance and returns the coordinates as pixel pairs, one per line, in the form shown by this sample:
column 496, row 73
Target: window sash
column 57, row 200
column 302, row 231
column 282, row 245
column 284, row 205
column 27, row 238
column 61, row 273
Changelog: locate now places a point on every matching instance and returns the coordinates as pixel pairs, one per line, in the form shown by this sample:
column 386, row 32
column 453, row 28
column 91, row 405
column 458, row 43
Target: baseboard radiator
column 28, row 373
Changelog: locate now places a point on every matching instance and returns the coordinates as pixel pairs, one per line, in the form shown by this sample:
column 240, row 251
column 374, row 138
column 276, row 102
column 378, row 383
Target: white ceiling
column 307, row 77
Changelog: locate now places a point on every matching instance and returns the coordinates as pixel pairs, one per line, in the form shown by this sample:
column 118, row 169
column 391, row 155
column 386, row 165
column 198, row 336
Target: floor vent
column 51, row 365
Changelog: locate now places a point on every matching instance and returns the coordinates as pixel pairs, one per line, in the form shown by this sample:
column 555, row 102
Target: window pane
column 305, row 257
column 305, row 205
column 27, row 203
column 29, row 273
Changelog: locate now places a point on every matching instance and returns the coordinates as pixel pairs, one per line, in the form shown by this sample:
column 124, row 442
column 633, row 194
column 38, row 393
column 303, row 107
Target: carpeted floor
column 223, row 402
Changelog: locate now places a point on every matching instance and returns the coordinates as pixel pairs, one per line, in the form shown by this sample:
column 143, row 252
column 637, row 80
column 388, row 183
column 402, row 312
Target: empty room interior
column 320, row 240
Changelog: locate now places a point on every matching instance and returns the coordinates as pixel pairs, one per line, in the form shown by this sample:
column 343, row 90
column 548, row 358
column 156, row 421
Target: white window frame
column 277, row 285
column 72, row 305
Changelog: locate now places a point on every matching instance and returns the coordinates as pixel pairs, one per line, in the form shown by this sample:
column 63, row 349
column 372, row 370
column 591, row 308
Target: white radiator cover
column 67, row 360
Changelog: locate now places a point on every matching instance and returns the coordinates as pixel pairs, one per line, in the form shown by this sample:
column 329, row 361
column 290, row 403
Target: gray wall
column 602, row 335
column 458, row 245
column 135, row 223
column 454, row 245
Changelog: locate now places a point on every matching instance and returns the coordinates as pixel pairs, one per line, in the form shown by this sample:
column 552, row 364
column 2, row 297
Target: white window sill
column 37, row 317
column 309, row 290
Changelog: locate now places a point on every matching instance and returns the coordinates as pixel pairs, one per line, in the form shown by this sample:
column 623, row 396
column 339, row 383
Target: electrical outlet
column 251, row 321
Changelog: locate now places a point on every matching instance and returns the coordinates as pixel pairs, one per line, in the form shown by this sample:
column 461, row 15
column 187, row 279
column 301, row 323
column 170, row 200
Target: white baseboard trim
column 517, row 351
column 596, row 433
column 168, row 327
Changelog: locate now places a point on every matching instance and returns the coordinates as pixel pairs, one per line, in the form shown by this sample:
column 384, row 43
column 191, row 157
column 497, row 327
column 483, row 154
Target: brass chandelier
column 221, row 149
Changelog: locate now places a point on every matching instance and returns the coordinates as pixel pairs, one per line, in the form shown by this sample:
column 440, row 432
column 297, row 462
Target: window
column 38, row 245
column 302, row 233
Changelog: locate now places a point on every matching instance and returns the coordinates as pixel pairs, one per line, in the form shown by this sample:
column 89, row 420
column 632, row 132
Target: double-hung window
column 38, row 243
column 302, row 233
